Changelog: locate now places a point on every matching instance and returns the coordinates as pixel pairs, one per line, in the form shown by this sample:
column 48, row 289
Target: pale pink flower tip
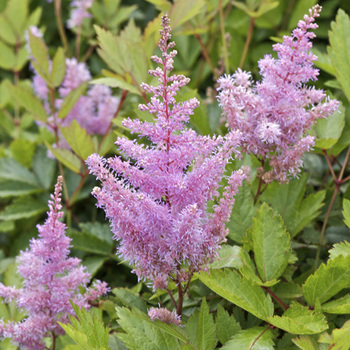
column 164, row 315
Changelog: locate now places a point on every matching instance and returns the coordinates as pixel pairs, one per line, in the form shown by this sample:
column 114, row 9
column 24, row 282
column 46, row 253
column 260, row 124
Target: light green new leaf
column 16, row 11
column 11, row 170
column 256, row 338
column 40, row 53
column 7, row 32
column 338, row 306
column 346, row 212
column 242, row 213
column 339, row 50
column 7, row 57
column 329, row 130
column 142, row 333
column 229, row 256
column 240, row 291
column 58, row 68
column 201, row 329
column 328, row 280
column 66, row 157
column 70, row 100
column 342, row 248
column 299, row 319
column 22, row 208
column 78, row 139
column 271, row 244
column 305, row 343
column 25, row 98
column 226, row 325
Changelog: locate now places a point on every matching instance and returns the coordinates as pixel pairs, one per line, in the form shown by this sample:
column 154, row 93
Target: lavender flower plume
column 79, row 12
column 157, row 199
column 274, row 115
column 164, row 315
column 50, row 280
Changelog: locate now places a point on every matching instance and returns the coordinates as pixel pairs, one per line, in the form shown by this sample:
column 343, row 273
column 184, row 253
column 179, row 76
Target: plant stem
column 274, row 296
column 247, row 42
column 206, row 54
column 60, row 26
column 181, row 299
column 77, row 43
column 53, row 341
column 224, row 46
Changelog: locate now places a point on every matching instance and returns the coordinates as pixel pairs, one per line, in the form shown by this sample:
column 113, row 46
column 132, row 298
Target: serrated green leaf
column 184, row 10
column 116, row 82
column 342, row 248
column 66, row 157
column 142, row 333
column 242, row 213
column 242, row 292
column 70, row 100
column 16, row 189
column 346, row 212
column 22, row 208
column 328, row 130
column 299, row 319
column 78, row 139
column 287, row 290
column 271, row 244
column 323, row 62
column 339, row 306
column 31, row 103
column 58, row 68
column 339, row 50
column 201, row 329
column 10, row 169
column 90, row 243
column 226, row 325
column 256, row 338
column 339, row 339
column 40, row 53
column 328, row 280
column 129, row 298
column 229, row 256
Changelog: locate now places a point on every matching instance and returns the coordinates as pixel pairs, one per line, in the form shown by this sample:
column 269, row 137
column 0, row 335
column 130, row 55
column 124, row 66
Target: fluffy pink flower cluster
column 157, row 200
column 164, row 315
column 93, row 112
column 50, row 280
column 79, row 12
column 274, row 115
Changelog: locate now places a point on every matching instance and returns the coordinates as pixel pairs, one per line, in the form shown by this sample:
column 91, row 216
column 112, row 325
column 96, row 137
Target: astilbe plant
column 51, row 280
column 275, row 114
column 157, row 200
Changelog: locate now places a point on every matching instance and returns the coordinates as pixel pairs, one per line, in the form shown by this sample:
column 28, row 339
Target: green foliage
column 87, row 330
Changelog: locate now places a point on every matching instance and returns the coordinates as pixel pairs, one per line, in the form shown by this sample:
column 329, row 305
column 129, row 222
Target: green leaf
column 22, row 208
column 346, row 212
column 305, row 343
column 16, row 188
column 7, row 57
column 339, row 340
column 328, row 280
column 16, row 11
column 329, row 130
column 184, row 10
column 7, row 32
column 116, row 82
column 226, row 325
column 41, row 55
column 142, row 333
column 97, row 229
column 87, row 330
column 58, row 68
column 342, row 248
column 256, row 338
column 66, row 157
column 242, row 292
column 94, row 263
column 242, row 213
column 78, row 139
column 229, row 256
column 338, row 306
column 201, row 329
column 90, row 243
column 299, row 319
column 129, row 298
column 70, row 100
column 31, row 103
column 323, row 62
column 271, row 244
column 44, row 167
column 10, row 169
column 339, row 50
column 299, row 10
column 287, row 290
column 23, row 151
